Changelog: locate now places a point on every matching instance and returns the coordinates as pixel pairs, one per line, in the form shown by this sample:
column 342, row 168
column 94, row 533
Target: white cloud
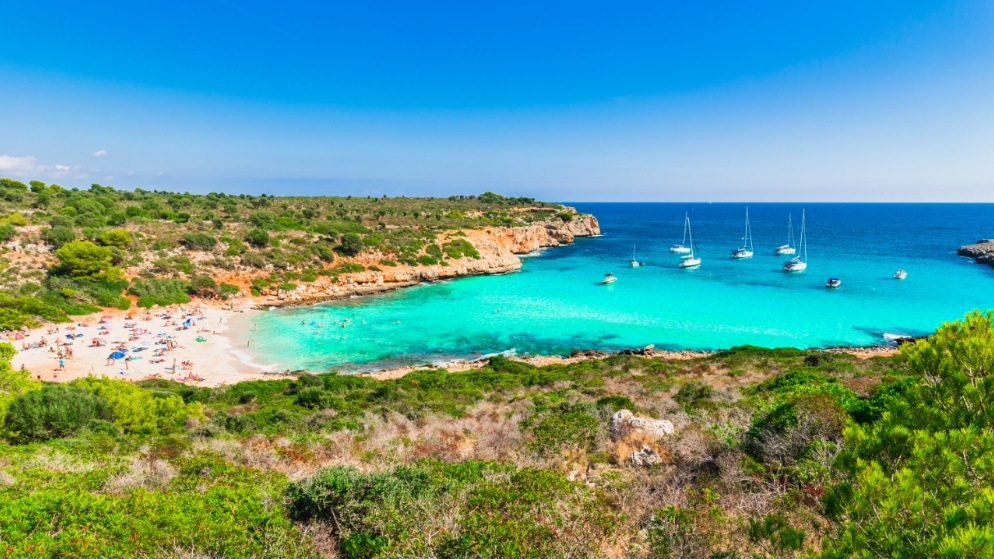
column 27, row 166
column 131, row 173
column 19, row 165
column 159, row 174
column 100, row 153
column 109, row 178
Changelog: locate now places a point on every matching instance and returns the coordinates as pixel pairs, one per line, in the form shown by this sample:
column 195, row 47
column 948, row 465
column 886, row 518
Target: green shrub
column 7, row 232
column 55, row 411
column 59, row 235
column 693, row 395
column 567, row 428
column 199, row 241
column 203, row 286
column 459, row 248
column 351, row 245
column 119, row 238
column 160, row 291
column 86, row 261
column 258, row 238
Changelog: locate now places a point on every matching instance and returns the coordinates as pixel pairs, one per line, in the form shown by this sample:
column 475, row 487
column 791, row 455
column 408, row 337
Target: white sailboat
column 797, row 264
column 634, row 263
column 691, row 260
column 787, row 249
column 608, row 278
column 745, row 251
column 681, row 247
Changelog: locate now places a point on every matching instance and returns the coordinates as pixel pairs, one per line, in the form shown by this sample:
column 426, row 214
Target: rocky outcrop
column 624, row 423
column 982, row 251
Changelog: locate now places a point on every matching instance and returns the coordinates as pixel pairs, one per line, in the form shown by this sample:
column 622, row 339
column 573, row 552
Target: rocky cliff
column 982, row 251
column 499, row 248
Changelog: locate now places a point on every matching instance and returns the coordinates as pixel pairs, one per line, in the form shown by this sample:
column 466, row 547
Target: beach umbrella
column 117, row 355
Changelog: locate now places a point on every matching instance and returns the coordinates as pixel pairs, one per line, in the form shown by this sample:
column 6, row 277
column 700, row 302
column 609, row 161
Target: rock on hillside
column 625, row 422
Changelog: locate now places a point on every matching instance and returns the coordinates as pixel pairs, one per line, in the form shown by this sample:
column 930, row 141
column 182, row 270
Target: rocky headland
column 982, row 251
column 498, row 247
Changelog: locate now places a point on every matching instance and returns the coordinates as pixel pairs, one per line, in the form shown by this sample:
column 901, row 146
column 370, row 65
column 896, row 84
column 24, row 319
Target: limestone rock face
column 645, row 457
column 982, row 251
column 625, row 422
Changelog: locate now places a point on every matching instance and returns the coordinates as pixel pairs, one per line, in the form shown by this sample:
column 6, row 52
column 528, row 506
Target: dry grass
column 144, row 472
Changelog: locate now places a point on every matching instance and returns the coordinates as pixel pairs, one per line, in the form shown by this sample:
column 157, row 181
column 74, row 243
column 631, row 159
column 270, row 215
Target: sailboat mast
column 804, row 240
column 693, row 253
column 748, row 231
column 686, row 224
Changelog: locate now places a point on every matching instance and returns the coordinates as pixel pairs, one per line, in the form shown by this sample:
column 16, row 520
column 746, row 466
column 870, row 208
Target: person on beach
column 62, row 364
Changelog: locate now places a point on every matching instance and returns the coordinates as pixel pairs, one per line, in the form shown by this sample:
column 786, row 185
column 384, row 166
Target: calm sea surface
column 555, row 303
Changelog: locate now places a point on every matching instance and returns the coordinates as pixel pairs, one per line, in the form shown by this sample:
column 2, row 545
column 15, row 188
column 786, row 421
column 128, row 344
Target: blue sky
column 659, row 100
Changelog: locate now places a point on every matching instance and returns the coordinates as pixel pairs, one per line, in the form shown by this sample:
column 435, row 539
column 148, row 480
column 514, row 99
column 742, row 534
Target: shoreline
column 210, row 351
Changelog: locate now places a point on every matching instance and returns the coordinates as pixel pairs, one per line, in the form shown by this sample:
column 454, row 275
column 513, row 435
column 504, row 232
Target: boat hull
column 785, row 251
column 690, row 263
column 679, row 249
column 791, row 267
column 742, row 253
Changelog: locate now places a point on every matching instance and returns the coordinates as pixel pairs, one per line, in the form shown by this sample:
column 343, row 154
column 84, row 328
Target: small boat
column 900, row 274
column 796, row 264
column 833, row 283
column 745, row 251
column 608, row 278
column 691, row 260
column 681, row 247
column 634, row 263
column 787, row 249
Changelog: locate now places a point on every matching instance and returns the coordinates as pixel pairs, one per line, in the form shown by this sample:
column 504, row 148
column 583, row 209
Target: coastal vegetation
column 71, row 251
column 747, row 452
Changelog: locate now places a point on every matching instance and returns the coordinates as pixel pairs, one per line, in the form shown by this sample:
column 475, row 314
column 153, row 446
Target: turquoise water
column 555, row 303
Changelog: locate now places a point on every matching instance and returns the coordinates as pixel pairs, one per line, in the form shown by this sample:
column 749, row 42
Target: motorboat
column 608, row 278
column 833, row 283
column 900, row 274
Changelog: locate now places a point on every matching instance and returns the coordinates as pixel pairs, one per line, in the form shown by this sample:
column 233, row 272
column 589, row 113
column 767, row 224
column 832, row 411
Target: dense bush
column 460, row 248
column 199, row 241
column 53, row 412
column 59, row 235
column 203, row 286
column 7, row 232
column 13, row 383
column 257, row 238
column 918, row 481
column 160, row 291
column 85, row 261
column 351, row 245
column 119, row 238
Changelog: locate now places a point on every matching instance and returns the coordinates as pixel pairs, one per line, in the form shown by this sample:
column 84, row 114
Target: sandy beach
column 205, row 344
column 141, row 344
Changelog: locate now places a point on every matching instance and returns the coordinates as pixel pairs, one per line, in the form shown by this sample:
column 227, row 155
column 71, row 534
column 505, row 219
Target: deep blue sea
column 555, row 303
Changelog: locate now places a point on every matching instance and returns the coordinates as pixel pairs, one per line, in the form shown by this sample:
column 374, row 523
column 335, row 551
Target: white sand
column 214, row 361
